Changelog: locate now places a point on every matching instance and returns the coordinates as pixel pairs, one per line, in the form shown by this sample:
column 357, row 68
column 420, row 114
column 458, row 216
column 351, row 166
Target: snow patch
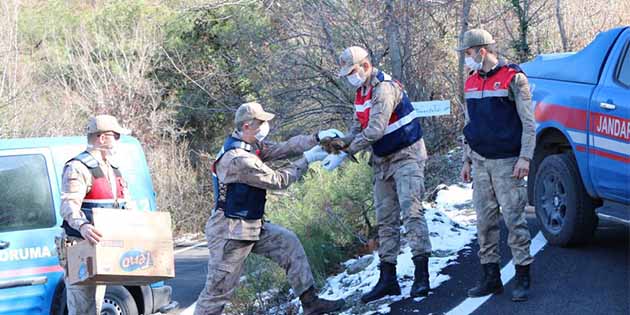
column 451, row 229
column 451, row 222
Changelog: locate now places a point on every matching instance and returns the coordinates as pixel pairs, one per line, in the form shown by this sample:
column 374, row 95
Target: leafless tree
column 464, row 25
column 563, row 33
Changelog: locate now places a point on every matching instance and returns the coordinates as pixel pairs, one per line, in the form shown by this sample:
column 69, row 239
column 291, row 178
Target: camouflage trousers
column 494, row 187
column 80, row 299
column 399, row 194
column 227, row 258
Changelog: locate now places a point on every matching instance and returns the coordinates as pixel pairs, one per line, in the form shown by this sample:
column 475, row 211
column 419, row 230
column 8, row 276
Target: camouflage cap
column 350, row 57
column 104, row 123
column 249, row 111
column 475, row 37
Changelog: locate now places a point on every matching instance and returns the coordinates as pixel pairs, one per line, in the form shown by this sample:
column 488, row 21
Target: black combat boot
column 420, row 285
column 490, row 282
column 313, row 305
column 387, row 284
column 521, row 289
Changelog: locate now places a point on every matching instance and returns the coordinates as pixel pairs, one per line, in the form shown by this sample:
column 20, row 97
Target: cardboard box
column 136, row 249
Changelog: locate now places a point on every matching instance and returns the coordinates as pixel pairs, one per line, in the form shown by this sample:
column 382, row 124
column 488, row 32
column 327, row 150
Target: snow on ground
column 456, row 203
column 188, row 239
column 451, row 222
column 451, row 229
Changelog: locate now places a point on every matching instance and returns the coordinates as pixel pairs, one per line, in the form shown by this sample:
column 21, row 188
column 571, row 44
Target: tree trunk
column 563, row 34
column 17, row 53
column 392, row 40
column 522, row 45
column 462, row 76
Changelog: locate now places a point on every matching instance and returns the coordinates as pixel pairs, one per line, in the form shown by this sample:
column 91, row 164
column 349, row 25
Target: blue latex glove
column 329, row 133
column 316, row 153
column 332, row 161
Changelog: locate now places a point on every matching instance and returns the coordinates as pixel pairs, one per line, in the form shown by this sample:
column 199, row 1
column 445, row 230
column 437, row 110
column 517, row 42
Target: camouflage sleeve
column 252, row 171
column 282, row 150
column 386, row 96
column 466, row 148
column 76, row 181
column 355, row 128
column 520, row 93
column 466, row 154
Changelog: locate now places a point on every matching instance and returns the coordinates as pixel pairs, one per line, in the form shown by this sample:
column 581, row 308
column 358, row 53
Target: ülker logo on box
column 135, row 259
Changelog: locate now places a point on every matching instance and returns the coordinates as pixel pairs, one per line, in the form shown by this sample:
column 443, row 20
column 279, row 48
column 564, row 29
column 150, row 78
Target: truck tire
column 118, row 301
column 565, row 211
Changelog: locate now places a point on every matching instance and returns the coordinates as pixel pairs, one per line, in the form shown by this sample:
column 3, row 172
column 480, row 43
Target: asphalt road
column 592, row 279
column 191, row 268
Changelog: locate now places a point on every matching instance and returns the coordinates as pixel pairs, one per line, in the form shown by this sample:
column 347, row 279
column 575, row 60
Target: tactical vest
column 494, row 129
column 237, row 200
column 404, row 127
column 100, row 194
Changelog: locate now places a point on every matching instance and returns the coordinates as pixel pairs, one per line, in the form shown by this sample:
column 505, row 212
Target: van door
column 609, row 128
column 29, row 268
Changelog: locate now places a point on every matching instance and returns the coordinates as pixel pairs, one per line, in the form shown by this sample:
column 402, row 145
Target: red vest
column 494, row 128
column 362, row 106
column 496, row 84
column 101, row 190
column 100, row 194
column 403, row 128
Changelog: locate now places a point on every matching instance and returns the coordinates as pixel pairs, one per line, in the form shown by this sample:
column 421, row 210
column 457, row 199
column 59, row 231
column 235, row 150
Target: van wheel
column 118, row 301
column 565, row 211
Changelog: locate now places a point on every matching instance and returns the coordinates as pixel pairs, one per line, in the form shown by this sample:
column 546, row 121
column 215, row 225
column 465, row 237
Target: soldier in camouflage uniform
column 236, row 227
column 500, row 141
column 90, row 180
column 387, row 125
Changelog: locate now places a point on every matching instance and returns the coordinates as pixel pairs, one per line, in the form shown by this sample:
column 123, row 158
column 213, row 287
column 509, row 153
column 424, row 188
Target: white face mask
column 472, row 64
column 110, row 152
column 263, row 131
column 356, row 79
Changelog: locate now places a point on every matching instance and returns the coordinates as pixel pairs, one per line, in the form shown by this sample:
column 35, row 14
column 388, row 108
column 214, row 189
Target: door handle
column 4, row 244
column 607, row 106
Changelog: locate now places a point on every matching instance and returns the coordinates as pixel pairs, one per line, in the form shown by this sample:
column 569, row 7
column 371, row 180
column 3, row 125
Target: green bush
column 264, row 287
column 332, row 214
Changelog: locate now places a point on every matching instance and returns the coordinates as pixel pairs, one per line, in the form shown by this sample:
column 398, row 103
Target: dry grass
column 182, row 189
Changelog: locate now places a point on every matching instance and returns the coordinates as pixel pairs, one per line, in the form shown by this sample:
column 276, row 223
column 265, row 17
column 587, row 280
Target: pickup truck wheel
column 565, row 211
column 118, row 301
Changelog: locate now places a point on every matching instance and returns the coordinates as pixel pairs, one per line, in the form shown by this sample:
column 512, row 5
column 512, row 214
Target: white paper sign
column 432, row 108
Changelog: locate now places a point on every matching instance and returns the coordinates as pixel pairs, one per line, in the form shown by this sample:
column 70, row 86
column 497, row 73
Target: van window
column 623, row 74
column 25, row 197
